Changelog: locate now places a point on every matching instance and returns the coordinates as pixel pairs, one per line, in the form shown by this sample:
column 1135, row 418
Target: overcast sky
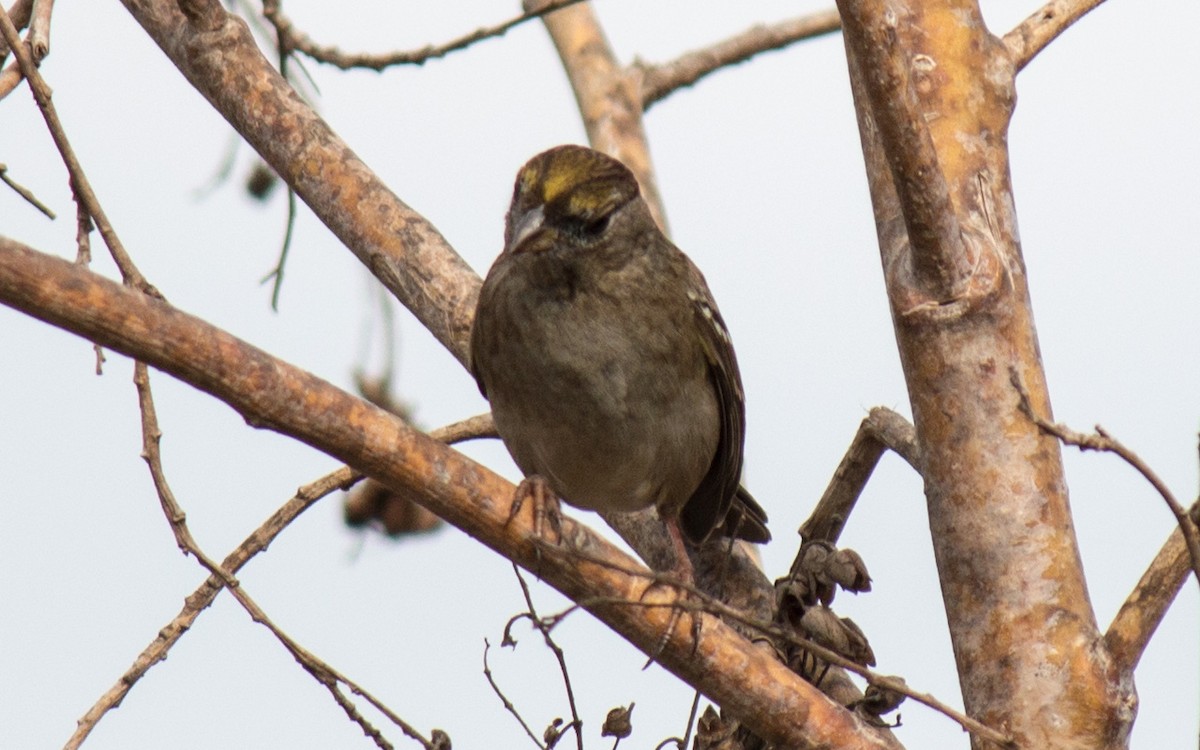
column 761, row 171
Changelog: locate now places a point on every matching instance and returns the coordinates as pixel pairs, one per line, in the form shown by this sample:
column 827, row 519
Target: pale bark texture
column 934, row 91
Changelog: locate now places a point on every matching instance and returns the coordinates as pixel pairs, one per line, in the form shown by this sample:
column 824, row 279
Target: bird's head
column 566, row 193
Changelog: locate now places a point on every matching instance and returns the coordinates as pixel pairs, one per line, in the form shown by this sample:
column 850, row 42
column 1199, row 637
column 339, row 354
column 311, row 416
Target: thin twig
column 1033, row 34
column 276, row 273
column 291, row 38
column 83, row 257
column 79, row 182
column 83, row 237
column 330, row 678
column 698, row 601
column 832, row 511
column 322, row 672
column 151, row 437
column 691, row 721
column 207, row 592
column 1103, row 442
column 200, row 599
column 544, row 629
column 661, row 80
column 508, row 705
column 23, row 191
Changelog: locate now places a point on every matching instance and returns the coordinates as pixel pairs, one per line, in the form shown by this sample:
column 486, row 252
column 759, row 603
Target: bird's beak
column 525, row 225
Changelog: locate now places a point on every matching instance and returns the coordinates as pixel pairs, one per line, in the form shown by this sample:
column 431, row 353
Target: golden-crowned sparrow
column 608, row 367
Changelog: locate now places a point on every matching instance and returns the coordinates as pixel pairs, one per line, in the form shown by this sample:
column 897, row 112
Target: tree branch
column 934, row 95
column 39, row 29
column 291, row 38
column 1102, row 441
column 873, row 33
column 19, row 12
column 217, row 54
column 1033, row 34
column 882, row 429
column 269, row 393
column 660, row 81
column 609, row 98
column 80, row 185
column 1145, row 607
column 23, row 191
column 200, row 599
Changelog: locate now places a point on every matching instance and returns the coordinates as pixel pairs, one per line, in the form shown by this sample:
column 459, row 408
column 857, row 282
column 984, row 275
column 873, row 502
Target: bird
column 608, row 367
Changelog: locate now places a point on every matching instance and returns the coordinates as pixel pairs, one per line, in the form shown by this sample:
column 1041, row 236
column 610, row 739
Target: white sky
column 761, row 171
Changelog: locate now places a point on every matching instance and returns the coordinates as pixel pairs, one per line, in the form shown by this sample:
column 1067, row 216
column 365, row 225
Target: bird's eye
column 594, row 228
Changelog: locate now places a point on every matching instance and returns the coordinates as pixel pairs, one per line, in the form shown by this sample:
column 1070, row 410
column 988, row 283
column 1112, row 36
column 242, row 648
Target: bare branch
column 329, row 677
column 508, row 705
column 291, row 38
column 701, row 602
column 1033, row 34
column 850, row 478
column 1102, row 441
column 1140, row 615
column 660, row 81
column 204, row 596
column 79, row 182
column 609, row 97
column 401, row 248
column 751, row 684
column 23, row 191
column 200, row 599
column 544, row 629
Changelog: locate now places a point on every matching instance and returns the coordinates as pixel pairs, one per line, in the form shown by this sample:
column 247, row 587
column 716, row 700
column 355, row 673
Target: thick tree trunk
column 934, row 92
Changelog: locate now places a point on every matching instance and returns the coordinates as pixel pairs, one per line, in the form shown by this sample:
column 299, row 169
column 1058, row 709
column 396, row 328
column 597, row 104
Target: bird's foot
column 682, row 578
column 546, row 509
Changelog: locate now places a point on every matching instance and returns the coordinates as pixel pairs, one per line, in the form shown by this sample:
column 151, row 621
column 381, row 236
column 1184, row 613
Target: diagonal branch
column 660, row 81
column 777, row 704
column 217, row 54
column 23, row 191
column 1033, row 34
column 206, row 594
column 200, row 599
column 881, row 430
column 1141, row 613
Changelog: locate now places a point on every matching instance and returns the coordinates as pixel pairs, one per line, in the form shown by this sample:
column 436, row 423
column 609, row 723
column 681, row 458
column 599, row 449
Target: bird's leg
column 545, row 505
column 682, row 569
column 683, row 572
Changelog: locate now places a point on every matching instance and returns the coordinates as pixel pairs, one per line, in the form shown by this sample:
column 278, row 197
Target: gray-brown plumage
column 608, row 367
